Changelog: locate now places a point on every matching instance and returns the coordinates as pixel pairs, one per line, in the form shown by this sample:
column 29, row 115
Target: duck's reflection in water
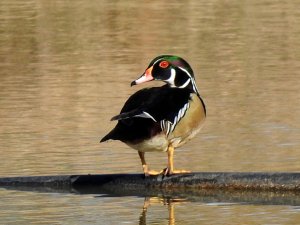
column 170, row 202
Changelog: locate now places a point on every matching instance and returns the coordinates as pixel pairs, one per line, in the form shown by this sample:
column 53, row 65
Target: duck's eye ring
column 164, row 64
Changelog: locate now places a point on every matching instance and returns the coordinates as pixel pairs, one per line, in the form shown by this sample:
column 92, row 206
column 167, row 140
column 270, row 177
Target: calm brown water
column 66, row 68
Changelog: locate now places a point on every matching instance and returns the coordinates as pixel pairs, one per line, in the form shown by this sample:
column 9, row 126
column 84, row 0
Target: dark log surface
column 206, row 180
column 254, row 188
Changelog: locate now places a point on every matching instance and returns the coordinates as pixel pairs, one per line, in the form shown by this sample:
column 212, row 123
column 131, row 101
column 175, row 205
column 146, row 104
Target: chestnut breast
column 190, row 124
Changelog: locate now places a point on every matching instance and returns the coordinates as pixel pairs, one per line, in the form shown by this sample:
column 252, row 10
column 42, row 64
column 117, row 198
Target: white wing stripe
column 145, row 115
column 149, row 116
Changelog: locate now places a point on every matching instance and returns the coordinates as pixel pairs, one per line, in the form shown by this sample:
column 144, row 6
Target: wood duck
column 161, row 118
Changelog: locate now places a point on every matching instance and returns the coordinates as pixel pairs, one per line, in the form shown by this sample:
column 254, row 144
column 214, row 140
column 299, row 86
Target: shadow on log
column 254, row 188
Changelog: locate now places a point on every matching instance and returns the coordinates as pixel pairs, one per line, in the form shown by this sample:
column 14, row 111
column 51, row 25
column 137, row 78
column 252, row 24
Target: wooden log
column 212, row 187
column 188, row 181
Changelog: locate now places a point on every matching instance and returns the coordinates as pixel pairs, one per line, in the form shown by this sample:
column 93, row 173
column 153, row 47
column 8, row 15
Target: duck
column 161, row 119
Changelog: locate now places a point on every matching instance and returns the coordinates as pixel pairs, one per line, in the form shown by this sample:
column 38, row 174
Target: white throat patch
column 171, row 80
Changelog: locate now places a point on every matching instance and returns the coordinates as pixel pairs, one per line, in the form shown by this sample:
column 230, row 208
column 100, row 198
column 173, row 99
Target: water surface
column 66, row 68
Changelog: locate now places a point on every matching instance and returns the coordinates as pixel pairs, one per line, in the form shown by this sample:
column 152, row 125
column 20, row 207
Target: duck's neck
column 181, row 78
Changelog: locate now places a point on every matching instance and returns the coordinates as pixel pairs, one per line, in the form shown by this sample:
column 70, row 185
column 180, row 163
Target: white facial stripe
column 187, row 72
column 192, row 79
column 195, row 86
column 185, row 84
column 171, row 80
column 156, row 61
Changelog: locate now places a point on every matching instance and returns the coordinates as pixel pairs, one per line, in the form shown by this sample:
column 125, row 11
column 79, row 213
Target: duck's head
column 173, row 70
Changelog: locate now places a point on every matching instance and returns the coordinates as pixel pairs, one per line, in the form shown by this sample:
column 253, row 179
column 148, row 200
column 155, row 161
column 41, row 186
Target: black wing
column 147, row 112
column 157, row 103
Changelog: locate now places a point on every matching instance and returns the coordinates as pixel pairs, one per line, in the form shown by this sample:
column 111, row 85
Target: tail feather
column 105, row 138
column 110, row 135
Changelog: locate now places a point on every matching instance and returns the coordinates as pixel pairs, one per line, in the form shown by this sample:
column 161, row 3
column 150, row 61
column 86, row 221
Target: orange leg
column 146, row 170
column 170, row 168
column 170, row 160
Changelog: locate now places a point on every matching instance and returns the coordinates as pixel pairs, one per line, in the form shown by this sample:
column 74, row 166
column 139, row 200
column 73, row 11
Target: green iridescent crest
column 175, row 61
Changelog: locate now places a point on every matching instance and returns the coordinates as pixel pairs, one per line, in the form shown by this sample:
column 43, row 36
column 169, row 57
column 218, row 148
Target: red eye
column 163, row 64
